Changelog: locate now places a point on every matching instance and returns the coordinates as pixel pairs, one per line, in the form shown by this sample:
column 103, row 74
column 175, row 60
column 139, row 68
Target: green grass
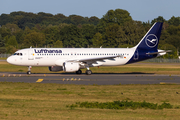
column 3, row 58
column 155, row 68
column 49, row 101
column 121, row 105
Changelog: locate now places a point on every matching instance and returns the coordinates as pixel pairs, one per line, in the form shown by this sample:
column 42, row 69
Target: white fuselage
column 52, row 56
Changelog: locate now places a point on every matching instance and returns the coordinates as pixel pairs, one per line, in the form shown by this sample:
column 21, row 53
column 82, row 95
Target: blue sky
column 141, row 10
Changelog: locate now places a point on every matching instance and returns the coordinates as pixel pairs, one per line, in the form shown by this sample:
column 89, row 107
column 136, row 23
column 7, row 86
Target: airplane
column 75, row 59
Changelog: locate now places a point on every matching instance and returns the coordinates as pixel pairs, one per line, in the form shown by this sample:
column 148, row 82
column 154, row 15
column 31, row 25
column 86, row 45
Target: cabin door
column 30, row 54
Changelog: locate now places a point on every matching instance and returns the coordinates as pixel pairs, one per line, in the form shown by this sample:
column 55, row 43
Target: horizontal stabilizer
column 163, row 51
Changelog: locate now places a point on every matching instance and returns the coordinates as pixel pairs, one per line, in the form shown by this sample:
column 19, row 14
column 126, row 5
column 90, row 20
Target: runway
column 94, row 79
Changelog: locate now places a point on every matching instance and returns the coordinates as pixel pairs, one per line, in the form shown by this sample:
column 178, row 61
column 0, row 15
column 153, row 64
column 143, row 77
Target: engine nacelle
column 71, row 66
column 55, row 68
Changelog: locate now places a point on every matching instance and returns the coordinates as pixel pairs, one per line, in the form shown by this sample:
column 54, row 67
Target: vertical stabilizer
column 148, row 44
column 151, row 39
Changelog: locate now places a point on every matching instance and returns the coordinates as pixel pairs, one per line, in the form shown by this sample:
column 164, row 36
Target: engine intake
column 70, row 66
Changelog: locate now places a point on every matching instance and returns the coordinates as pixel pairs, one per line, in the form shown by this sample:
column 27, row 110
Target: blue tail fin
column 151, row 39
column 148, row 44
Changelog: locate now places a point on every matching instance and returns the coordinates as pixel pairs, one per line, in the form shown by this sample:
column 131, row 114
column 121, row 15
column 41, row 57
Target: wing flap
column 94, row 59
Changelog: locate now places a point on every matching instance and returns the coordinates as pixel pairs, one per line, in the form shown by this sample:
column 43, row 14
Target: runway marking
column 68, row 79
column 39, row 80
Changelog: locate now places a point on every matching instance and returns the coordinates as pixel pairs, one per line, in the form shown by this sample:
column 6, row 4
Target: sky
column 141, row 10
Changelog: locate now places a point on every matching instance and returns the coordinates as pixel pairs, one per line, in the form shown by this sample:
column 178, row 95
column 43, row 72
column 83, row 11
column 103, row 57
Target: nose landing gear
column 29, row 70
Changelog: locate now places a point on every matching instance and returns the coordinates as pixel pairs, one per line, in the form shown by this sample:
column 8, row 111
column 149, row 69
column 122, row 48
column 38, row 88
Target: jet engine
column 55, row 68
column 71, row 66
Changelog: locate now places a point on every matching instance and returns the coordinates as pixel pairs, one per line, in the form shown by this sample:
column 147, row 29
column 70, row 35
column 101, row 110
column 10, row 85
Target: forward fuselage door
column 30, row 54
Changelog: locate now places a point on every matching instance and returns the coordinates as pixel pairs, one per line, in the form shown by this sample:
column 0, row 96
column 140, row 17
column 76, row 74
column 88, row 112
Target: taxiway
column 97, row 79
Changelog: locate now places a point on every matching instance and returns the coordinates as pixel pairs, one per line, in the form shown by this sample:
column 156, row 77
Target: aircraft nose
column 9, row 60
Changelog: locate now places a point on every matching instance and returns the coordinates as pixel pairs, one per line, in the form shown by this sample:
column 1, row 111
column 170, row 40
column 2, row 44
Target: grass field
column 49, row 101
column 155, row 68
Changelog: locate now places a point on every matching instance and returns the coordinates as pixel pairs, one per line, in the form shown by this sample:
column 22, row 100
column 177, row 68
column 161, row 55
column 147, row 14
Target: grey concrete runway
column 99, row 79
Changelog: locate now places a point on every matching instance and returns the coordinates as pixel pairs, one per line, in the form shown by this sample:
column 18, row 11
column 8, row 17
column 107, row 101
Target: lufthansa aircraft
column 75, row 59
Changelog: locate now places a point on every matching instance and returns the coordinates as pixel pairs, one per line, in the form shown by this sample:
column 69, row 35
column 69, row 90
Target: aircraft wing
column 94, row 59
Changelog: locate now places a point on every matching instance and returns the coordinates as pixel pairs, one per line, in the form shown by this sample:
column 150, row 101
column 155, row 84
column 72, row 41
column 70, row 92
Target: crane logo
column 151, row 40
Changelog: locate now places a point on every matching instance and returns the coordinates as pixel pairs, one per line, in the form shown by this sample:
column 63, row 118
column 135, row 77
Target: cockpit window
column 19, row 54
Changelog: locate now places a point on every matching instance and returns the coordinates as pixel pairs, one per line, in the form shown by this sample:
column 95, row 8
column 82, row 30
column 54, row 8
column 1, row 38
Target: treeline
column 116, row 29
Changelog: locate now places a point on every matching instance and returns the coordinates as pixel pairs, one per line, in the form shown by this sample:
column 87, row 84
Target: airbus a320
column 75, row 59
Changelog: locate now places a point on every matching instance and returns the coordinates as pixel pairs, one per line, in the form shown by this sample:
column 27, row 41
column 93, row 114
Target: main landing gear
column 79, row 72
column 88, row 71
column 29, row 70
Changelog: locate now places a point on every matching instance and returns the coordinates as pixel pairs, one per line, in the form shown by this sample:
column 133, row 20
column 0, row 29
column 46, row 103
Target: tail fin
column 147, row 47
column 151, row 39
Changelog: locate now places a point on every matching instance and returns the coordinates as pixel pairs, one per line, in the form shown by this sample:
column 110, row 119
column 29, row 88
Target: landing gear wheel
column 88, row 72
column 79, row 72
column 28, row 72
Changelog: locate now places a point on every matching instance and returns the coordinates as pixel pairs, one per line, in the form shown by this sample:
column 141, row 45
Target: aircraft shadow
column 99, row 73
column 131, row 73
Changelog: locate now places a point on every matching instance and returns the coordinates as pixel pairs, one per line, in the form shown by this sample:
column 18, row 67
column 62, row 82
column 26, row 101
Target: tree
column 58, row 44
column 97, row 40
column 159, row 19
column 34, row 39
column 174, row 40
column 10, row 49
column 76, row 19
column 5, row 31
column 2, row 50
column 12, row 27
column 174, row 21
column 120, row 37
column 110, row 36
column 173, row 30
column 134, row 31
column 172, row 54
column 5, row 18
column 2, row 41
column 71, row 36
column 12, row 42
column 2, row 45
column 94, row 20
column 60, row 17
column 118, row 16
column 88, row 31
column 51, row 34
